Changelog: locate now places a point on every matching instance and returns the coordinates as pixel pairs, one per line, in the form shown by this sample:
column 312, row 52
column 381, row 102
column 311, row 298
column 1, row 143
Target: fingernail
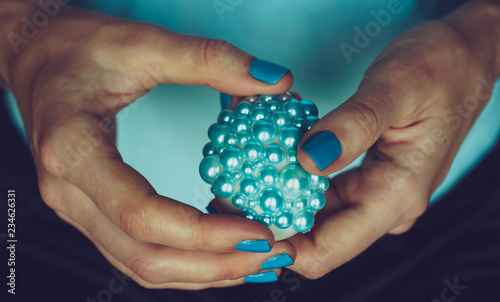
column 262, row 277
column 225, row 100
column 254, row 246
column 267, row 72
column 212, row 210
column 279, row 261
column 324, row 148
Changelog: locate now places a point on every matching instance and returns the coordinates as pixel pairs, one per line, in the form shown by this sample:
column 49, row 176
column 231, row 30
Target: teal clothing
column 162, row 134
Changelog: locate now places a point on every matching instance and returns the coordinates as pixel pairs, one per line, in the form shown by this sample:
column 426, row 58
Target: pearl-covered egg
column 251, row 163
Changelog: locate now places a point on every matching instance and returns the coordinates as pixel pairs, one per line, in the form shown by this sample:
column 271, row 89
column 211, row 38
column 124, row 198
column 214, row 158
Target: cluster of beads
column 251, row 163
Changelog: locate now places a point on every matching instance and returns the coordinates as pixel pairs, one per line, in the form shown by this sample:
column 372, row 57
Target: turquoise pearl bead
column 303, row 221
column 284, row 219
column 243, row 108
column 248, row 167
column 252, row 202
column 210, row 167
column 225, row 116
column 241, row 124
column 271, row 200
column 249, row 186
column 252, row 150
column 281, row 119
column 290, row 137
column 251, row 98
column 237, row 175
column 309, row 121
column 274, row 154
column 309, row 107
column 269, row 176
column 224, row 185
column 308, row 192
column 209, row 149
column 231, row 158
column 259, row 104
column 293, row 180
column 268, row 97
column 288, row 204
column 317, row 201
column 239, row 200
column 273, row 106
column 300, row 203
column 291, row 157
column 211, row 128
column 218, row 134
column 300, row 123
column 248, row 214
column 260, row 113
column 243, row 137
column 259, row 164
column 267, row 219
column 264, row 132
column 315, row 180
column 293, row 107
column 221, row 149
column 231, row 139
column 324, row 185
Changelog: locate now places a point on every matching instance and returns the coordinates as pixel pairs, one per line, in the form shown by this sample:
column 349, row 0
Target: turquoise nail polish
column 267, row 72
column 254, row 246
column 279, row 261
column 264, row 277
column 225, row 100
column 212, row 210
column 324, row 148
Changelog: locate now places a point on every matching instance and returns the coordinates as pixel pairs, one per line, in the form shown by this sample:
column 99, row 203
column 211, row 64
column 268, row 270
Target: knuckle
column 215, row 50
column 147, row 270
column 227, row 272
column 364, row 122
column 314, row 269
column 49, row 153
column 202, row 233
column 133, row 220
column 50, row 195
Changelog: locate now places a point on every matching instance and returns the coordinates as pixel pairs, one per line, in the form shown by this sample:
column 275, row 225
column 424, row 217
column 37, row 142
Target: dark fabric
column 456, row 241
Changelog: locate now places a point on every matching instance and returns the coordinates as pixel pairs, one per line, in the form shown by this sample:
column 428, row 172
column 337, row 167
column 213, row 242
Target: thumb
column 190, row 60
column 346, row 132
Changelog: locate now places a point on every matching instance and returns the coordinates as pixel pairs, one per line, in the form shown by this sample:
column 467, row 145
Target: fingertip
column 267, row 72
column 319, row 151
column 225, row 100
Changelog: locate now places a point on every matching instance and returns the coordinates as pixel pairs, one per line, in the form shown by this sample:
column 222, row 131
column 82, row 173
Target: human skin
column 412, row 111
column 68, row 83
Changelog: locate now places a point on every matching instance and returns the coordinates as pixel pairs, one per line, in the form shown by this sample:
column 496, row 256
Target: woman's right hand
column 70, row 80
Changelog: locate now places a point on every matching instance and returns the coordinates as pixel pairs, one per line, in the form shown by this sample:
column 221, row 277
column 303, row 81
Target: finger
column 183, row 59
column 156, row 265
column 382, row 101
column 345, row 133
column 337, row 240
column 403, row 228
column 127, row 198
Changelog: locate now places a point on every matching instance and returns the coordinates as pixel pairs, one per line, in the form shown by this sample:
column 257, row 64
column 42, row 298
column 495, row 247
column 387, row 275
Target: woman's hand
column 412, row 111
column 70, row 80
